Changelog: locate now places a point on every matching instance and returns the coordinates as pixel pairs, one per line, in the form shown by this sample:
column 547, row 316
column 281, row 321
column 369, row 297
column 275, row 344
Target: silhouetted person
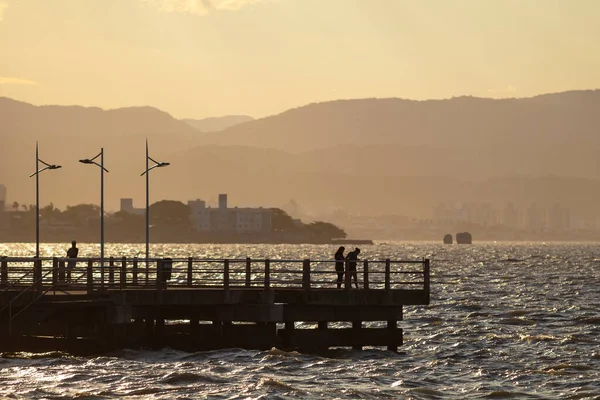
column 351, row 265
column 72, row 252
column 339, row 265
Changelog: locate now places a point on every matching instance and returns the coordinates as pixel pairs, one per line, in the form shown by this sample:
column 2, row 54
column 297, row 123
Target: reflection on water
column 506, row 320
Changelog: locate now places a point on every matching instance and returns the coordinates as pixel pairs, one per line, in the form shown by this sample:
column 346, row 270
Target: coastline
column 87, row 237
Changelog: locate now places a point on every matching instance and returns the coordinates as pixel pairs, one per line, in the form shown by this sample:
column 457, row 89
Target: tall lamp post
column 37, row 195
column 149, row 168
column 102, row 171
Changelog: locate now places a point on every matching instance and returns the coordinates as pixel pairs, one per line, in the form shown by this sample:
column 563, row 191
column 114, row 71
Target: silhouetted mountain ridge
column 39, row 121
column 456, row 124
column 373, row 156
column 217, row 124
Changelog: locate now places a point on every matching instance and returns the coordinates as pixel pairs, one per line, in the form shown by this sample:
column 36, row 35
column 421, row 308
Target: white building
column 228, row 220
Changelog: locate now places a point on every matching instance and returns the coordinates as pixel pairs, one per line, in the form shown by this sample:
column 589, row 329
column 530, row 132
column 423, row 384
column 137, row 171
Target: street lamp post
column 37, row 195
column 157, row 164
column 102, row 171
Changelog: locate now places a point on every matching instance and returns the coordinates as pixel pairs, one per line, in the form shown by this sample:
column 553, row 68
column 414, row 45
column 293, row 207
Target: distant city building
column 512, row 216
column 535, row 217
column 446, row 213
column 559, row 218
column 228, row 220
column 4, row 219
column 127, row 206
column 485, row 215
column 199, row 215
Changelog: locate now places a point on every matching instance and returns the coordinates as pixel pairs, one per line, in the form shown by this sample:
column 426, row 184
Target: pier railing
column 120, row 273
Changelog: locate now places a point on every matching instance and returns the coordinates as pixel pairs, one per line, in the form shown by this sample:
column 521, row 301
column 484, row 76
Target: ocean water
column 506, row 320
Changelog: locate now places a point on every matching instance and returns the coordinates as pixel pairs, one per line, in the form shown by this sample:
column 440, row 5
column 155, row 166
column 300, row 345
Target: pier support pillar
column 218, row 328
column 322, row 326
column 356, row 328
column 392, row 328
column 160, row 327
column 149, row 327
column 71, row 333
column 4, row 271
column 289, row 334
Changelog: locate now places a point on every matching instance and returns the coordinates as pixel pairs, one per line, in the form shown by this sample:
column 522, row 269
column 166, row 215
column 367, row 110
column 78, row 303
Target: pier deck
column 199, row 304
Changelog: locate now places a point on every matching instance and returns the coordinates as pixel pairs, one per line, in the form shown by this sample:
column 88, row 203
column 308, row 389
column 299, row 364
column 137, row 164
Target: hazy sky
column 199, row 58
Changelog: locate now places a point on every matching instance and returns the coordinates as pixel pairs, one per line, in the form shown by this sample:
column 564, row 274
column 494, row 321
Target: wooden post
column 226, row 275
column 366, row 274
column 306, row 274
column 134, row 276
column 347, row 277
column 356, row 333
column 289, row 334
column 149, row 326
column 392, row 327
column 111, row 271
column 101, row 276
column 159, row 275
column 190, row 269
column 90, row 277
column 322, row 326
column 123, row 277
column 267, row 273
column 4, row 271
column 248, row 272
column 37, row 274
column 54, row 271
column 387, row 274
column 61, row 271
column 426, row 278
column 194, row 325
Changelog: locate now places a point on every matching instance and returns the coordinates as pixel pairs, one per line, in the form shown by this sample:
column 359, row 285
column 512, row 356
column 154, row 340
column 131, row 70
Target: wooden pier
column 200, row 304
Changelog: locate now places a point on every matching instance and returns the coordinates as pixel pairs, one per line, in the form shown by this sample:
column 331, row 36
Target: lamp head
column 86, row 161
column 54, row 166
column 163, row 164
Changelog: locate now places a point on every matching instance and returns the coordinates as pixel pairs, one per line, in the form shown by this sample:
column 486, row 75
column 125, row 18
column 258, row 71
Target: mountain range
column 217, row 124
column 368, row 156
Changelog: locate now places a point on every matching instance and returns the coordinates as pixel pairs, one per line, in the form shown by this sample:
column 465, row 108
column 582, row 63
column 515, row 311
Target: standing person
column 339, row 265
column 72, row 252
column 351, row 265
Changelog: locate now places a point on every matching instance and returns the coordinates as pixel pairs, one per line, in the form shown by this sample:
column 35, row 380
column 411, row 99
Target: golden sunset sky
column 201, row 58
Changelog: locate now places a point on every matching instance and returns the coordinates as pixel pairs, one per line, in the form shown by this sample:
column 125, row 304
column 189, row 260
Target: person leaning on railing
column 339, row 265
column 351, row 265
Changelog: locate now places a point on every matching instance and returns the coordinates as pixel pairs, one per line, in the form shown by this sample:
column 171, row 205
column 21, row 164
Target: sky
column 205, row 58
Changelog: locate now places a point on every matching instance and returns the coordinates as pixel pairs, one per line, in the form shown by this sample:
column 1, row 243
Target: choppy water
column 506, row 321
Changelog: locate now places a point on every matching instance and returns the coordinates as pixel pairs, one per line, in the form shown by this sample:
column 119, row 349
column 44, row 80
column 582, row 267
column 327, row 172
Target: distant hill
column 216, row 124
column 67, row 134
column 371, row 156
column 461, row 123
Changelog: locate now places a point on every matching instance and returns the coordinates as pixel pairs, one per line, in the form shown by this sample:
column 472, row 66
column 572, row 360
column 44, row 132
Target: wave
column 35, row 356
column 274, row 384
column 177, row 378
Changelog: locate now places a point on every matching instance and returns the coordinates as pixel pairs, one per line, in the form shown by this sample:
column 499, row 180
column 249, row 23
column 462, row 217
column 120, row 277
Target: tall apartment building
column 559, row 217
column 535, row 217
column 4, row 220
column 512, row 216
column 228, row 220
